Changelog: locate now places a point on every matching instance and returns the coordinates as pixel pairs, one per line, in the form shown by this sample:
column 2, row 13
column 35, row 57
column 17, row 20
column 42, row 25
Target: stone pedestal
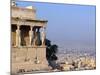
column 25, row 58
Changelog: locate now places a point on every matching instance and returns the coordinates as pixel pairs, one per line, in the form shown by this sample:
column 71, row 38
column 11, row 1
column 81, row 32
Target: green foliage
column 51, row 50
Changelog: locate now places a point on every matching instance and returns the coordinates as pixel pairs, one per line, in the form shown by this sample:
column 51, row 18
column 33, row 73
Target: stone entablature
column 29, row 22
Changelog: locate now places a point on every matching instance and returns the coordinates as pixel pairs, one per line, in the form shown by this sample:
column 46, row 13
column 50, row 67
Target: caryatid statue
column 30, row 36
column 18, row 39
column 43, row 36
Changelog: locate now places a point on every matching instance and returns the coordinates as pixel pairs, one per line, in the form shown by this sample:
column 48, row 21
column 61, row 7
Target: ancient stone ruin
column 28, row 50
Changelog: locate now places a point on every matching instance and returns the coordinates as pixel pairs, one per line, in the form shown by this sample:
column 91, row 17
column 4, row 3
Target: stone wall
column 25, row 57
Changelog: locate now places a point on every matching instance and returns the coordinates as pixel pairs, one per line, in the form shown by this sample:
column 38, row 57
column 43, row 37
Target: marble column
column 18, row 37
column 43, row 36
column 30, row 36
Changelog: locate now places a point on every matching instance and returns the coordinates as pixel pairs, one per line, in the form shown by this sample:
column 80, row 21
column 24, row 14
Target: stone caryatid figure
column 18, row 39
column 43, row 36
column 30, row 36
column 37, row 37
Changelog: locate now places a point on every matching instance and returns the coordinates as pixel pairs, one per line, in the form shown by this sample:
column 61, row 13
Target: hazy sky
column 68, row 25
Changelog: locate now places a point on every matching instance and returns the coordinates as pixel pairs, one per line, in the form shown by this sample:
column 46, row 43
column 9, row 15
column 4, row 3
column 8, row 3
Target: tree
column 51, row 51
